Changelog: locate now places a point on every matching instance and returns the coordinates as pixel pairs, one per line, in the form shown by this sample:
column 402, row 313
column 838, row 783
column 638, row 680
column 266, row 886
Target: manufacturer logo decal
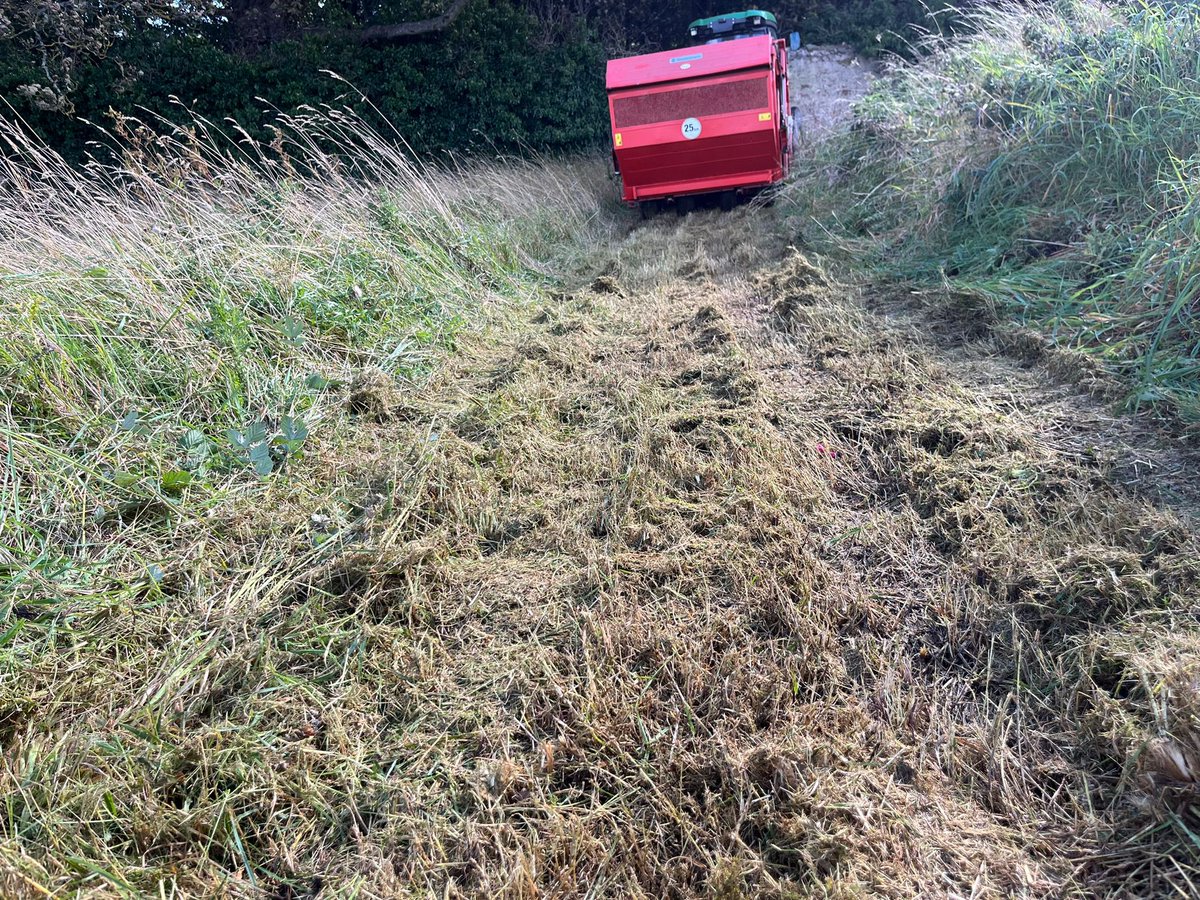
column 689, row 58
column 617, row 139
column 691, row 129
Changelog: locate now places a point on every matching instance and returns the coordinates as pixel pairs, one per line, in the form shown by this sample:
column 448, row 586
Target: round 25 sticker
column 691, row 129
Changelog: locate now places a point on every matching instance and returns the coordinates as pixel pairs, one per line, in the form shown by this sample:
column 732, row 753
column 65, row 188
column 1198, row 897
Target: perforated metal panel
column 700, row 100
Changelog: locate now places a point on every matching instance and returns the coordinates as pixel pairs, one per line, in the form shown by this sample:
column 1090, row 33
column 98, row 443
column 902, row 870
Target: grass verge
column 699, row 579
column 1042, row 167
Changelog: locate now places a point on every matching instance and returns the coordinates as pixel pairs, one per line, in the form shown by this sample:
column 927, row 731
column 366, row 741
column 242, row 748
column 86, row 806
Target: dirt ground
column 825, row 81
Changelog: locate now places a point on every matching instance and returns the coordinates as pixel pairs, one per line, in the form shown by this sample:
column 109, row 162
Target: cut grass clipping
column 695, row 580
column 1043, row 166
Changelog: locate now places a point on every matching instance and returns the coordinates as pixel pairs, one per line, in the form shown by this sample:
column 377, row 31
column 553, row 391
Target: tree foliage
column 58, row 39
column 485, row 82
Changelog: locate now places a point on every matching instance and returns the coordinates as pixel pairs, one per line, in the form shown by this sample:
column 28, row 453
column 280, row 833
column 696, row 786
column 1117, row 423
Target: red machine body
column 713, row 117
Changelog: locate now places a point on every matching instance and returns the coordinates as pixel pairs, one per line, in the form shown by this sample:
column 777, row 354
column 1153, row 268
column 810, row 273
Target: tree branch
column 373, row 33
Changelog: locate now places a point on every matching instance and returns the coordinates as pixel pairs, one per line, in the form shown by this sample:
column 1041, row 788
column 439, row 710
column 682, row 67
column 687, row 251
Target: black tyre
column 684, row 205
column 728, row 200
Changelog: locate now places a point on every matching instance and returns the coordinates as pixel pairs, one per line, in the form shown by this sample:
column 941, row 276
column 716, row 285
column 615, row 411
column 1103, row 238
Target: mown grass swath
column 180, row 328
column 1046, row 164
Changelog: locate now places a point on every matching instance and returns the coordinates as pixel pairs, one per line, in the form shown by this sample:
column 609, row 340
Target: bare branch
column 380, row 33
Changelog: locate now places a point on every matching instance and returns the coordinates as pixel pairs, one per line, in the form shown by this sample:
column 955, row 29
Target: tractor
column 711, row 118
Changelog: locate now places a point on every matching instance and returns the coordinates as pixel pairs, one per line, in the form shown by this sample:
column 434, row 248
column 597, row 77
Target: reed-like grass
column 1046, row 163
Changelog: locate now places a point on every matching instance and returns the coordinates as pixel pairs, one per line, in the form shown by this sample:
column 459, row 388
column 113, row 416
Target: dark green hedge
column 488, row 82
column 873, row 26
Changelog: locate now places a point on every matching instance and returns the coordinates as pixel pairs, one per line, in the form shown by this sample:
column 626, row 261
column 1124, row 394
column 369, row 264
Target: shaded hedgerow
column 487, row 82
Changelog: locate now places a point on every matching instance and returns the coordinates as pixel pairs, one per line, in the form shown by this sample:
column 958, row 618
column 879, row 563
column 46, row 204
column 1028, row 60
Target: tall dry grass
column 189, row 334
column 178, row 322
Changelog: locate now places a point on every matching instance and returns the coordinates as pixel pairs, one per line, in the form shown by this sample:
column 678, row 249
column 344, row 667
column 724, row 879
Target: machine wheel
column 728, row 199
column 684, row 205
column 648, row 208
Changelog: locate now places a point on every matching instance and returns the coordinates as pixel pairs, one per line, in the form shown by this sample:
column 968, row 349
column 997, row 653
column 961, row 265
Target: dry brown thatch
column 718, row 613
column 647, row 596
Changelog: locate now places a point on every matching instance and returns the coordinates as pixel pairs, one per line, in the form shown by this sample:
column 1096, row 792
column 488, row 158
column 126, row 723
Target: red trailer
column 704, row 119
